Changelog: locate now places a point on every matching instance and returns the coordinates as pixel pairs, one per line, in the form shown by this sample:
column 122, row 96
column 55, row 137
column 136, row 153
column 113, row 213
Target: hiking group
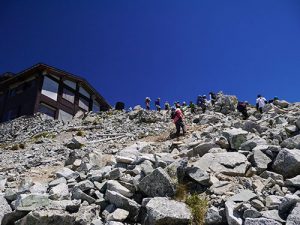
column 177, row 111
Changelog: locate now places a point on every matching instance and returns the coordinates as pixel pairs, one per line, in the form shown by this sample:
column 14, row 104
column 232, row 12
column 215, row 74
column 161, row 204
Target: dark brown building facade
column 46, row 89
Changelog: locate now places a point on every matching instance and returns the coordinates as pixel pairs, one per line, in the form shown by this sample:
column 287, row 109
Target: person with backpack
column 203, row 103
column 147, row 102
column 260, row 103
column 157, row 104
column 177, row 117
column 167, row 106
column 242, row 108
column 192, row 107
column 213, row 98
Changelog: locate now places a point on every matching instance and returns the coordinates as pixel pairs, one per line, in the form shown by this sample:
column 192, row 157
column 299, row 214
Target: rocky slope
column 119, row 168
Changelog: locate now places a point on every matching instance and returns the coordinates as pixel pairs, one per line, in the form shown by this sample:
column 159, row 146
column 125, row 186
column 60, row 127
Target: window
column 84, row 104
column 70, row 84
column 48, row 110
column 68, row 95
column 84, row 92
column 50, row 88
column 96, row 106
column 64, row 116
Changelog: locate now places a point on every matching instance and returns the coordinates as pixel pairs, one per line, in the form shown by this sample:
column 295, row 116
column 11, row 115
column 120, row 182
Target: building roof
column 41, row 67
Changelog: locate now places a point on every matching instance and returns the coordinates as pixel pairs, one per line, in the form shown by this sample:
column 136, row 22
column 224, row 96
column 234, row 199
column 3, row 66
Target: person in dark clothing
column 203, row 103
column 213, row 98
column 157, row 104
column 177, row 117
column 242, row 108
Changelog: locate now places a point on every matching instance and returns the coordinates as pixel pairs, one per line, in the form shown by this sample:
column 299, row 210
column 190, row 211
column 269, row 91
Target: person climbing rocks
column 184, row 104
column 177, row 117
column 203, row 103
column 167, row 106
column 157, row 104
column 213, row 98
column 242, row 108
column 147, row 102
column 192, row 107
column 260, row 103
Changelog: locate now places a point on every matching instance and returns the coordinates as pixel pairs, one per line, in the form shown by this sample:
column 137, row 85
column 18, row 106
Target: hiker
column 199, row 100
column 184, row 104
column 273, row 100
column 167, row 106
column 213, row 98
column 157, row 104
column 177, row 117
column 242, row 108
column 147, row 102
column 203, row 103
column 260, row 103
column 192, row 107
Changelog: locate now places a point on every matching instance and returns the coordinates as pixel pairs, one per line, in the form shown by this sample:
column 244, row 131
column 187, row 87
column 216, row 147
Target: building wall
column 18, row 100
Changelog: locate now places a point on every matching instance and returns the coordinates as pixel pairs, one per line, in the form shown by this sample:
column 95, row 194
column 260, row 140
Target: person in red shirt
column 177, row 117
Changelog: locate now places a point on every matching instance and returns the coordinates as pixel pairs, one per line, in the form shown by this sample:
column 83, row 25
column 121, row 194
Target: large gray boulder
column 29, row 202
column 47, row 217
column 261, row 221
column 229, row 163
column 123, row 202
column 157, row 184
column 198, row 175
column 294, row 217
column 215, row 216
column 294, row 182
column 4, row 207
column 236, row 137
column 291, row 143
column 287, row 163
column 163, row 211
column 260, row 161
column 113, row 185
column 225, row 103
column 232, row 215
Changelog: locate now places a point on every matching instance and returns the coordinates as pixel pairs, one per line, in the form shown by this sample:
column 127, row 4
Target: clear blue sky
column 170, row 49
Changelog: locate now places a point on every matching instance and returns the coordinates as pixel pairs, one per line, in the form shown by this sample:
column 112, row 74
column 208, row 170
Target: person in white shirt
column 260, row 103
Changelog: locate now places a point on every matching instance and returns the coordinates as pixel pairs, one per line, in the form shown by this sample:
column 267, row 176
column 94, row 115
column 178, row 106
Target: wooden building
column 46, row 89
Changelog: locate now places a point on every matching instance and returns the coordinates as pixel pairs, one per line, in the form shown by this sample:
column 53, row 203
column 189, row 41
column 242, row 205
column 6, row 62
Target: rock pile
column 119, row 168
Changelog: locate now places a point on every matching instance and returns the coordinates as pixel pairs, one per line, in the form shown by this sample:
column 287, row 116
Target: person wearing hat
column 157, row 104
column 147, row 102
column 177, row 117
column 260, row 103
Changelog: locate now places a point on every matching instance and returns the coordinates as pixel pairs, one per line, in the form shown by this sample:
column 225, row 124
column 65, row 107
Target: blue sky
column 170, row 49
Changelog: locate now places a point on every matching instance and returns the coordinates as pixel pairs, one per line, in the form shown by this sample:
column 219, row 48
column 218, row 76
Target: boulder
column 163, row 211
column 261, row 221
column 229, row 163
column 215, row 216
column 201, row 149
column 59, row 192
column 232, row 215
column 118, row 215
column 287, row 163
column 29, row 202
column 294, row 182
column 67, row 173
column 198, row 175
column 4, row 207
column 235, row 137
column 243, row 196
column 292, row 142
column 157, row 184
column 123, row 202
column 113, row 185
column 260, row 161
column 294, row 217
